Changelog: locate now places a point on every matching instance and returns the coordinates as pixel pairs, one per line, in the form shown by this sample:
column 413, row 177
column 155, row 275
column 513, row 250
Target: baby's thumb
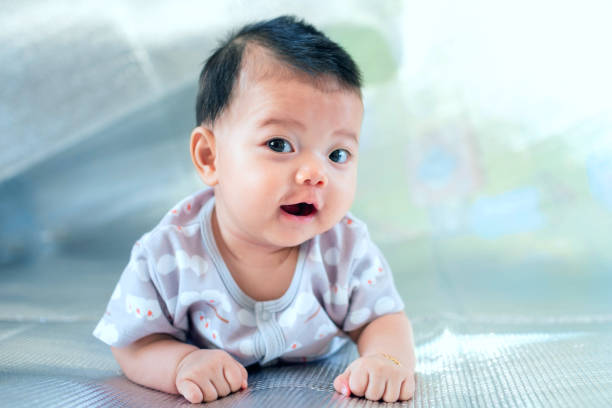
column 341, row 383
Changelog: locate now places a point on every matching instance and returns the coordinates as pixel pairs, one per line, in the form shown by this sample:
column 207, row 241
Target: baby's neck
column 242, row 255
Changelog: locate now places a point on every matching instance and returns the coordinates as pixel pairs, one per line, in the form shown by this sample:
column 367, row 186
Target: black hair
column 293, row 41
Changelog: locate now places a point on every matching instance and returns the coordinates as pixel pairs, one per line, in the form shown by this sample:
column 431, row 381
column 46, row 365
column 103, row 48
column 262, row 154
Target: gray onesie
column 177, row 283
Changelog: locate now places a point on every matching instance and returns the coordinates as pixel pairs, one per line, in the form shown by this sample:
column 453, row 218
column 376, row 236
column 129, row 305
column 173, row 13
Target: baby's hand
column 376, row 377
column 205, row 375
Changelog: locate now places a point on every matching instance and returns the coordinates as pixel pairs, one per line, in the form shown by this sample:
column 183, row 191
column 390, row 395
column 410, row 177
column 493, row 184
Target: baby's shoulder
column 180, row 229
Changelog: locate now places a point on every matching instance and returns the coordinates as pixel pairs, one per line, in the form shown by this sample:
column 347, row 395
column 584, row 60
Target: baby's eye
column 339, row 155
column 279, row 145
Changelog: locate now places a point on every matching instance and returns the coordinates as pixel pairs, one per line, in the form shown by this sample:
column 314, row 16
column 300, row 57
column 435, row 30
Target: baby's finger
column 392, row 389
column 407, row 389
column 221, row 385
column 358, row 382
column 245, row 376
column 233, row 377
column 341, row 383
column 190, row 391
column 209, row 391
column 376, row 387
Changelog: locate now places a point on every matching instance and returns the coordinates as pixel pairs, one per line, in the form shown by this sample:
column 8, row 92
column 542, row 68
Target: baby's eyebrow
column 347, row 133
column 300, row 125
column 279, row 121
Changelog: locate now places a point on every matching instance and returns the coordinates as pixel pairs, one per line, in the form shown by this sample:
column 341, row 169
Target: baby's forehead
column 268, row 86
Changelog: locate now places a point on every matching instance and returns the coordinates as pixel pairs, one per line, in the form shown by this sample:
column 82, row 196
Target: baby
column 268, row 264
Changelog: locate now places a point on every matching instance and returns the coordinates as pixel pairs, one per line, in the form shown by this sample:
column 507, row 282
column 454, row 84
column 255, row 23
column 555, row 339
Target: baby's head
column 279, row 113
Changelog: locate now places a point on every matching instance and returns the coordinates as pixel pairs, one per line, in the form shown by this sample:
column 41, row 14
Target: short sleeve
column 137, row 307
column 371, row 290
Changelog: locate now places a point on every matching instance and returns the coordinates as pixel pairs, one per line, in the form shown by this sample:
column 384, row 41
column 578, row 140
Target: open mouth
column 300, row 209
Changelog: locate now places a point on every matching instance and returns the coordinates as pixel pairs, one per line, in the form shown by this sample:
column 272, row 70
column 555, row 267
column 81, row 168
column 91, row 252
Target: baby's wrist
column 389, row 357
column 393, row 359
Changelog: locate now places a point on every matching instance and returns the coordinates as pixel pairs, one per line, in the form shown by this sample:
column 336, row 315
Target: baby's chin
column 297, row 237
column 293, row 241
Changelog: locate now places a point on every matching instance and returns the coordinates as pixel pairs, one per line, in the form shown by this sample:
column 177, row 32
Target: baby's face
column 287, row 159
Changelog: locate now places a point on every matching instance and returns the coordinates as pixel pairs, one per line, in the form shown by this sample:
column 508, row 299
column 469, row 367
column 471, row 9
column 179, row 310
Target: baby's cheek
column 348, row 188
column 341, row 200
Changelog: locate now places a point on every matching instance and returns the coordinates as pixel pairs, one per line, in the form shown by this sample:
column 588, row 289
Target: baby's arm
column 163, row 363
column 375, row 376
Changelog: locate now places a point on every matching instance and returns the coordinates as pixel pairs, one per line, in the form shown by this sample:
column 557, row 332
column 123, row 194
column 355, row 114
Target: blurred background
column 485, row 164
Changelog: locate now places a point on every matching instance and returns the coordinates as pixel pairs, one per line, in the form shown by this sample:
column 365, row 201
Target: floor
column 48, row 356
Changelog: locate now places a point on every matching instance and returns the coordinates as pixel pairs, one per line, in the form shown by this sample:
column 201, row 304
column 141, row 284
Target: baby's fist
column 205, row 375
column 375, row 377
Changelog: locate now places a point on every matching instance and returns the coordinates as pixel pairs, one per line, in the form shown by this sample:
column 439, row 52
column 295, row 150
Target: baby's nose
column 311, row 173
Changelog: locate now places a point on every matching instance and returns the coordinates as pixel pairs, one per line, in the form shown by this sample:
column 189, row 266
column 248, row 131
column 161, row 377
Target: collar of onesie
column 232, row 287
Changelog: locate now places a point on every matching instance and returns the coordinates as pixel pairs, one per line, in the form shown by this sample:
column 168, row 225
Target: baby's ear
column 204, row 154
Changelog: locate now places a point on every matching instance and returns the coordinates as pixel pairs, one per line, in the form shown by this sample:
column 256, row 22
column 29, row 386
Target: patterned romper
column 176, row 282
